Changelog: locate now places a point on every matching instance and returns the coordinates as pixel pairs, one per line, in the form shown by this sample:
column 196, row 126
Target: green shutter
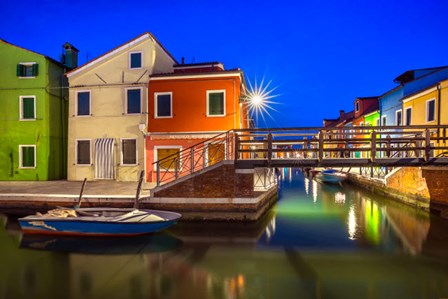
column 28, row 156
column 35, row 69
column 216, row 103
column 19, row 70
column 28, row 108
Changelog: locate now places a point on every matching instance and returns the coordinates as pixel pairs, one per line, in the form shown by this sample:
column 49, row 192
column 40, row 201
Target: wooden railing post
column 388, row 146
column 192, row 161
column 427, row 145
column 373, row 147
column 176, row 168
column 269, row 148
column 321, row 145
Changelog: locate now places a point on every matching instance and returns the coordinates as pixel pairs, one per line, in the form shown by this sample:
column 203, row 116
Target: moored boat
column 331, row 176
column 98, row 222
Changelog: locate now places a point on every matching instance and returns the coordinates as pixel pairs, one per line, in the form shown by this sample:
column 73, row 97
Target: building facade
column 194, row 103
column 33, row 114
column 108, row 110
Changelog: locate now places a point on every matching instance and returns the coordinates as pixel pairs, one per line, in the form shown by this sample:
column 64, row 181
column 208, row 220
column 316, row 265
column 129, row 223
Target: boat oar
column 139, row 187
column 78, row 204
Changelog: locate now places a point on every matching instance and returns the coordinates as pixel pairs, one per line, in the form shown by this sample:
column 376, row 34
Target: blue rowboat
column 98, row 222
column 331, row 176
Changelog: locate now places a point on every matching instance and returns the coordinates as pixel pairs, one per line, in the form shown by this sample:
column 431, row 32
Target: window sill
column 27, row 167
column 128, row 165
column 27, row 77
column 27, row 119
column 220, row 115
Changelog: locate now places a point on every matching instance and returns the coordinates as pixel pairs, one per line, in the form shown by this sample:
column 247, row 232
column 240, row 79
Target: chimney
column 183, row 60
column 70, row 56
column 341, row 114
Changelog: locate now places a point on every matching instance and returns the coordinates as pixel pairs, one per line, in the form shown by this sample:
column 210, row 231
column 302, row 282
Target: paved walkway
column 63, row 187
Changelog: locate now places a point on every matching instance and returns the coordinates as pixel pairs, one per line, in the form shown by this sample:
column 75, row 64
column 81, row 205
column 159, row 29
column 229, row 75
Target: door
column 104, row 158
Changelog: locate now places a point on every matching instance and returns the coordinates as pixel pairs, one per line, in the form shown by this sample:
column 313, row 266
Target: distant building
column 33, row 114
column 190, row 105
column 108, row 110
column 410, row 82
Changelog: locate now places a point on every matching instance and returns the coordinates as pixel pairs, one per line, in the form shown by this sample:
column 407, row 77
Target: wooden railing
column 387, row 146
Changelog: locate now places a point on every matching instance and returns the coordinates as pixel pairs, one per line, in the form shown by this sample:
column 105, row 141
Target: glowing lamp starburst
column 259, row 98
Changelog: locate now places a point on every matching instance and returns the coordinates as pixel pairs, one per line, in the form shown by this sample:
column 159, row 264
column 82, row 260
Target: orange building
column 194, row 103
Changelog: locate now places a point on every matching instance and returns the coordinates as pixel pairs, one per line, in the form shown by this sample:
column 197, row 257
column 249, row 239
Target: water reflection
column 327, row 242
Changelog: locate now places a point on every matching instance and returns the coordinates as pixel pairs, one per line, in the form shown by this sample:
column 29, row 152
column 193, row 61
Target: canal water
column 319, row 241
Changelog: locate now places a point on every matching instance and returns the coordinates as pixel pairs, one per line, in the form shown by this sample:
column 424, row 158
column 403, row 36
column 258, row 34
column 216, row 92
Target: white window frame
column 406, row 116
column 396, row 117
column 90, row 103
column 27, row 64
column 377, row 122
column 121, row 152
column 21, row 108
column 435, row 109
column 126, row 100
column 20, row 156
column 156, row 94
column 76, row 152
column 141, row 60
column 206, row 145
column 157, row 147
column 224, row 103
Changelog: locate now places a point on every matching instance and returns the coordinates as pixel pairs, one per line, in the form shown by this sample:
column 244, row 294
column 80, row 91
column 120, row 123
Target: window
column 27, row 108
column 129, row 152
column 408, row 116
column 27, row 156
column 163, row 104
column 83, row 103
column 133, row 101
column 216, row 103
column 27, row 70
column 398, row 118
column 356, row 106
column 83, row 155
column 383, row 120
column 377, row 122
column 173, row 154
column 431, row 110
column 135, row 60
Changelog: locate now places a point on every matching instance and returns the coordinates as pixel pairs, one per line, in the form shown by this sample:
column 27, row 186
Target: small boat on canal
column 330, row 176
column 101, row 221
column 98, row 222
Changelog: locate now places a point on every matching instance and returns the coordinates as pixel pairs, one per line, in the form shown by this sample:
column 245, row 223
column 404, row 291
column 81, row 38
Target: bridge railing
column 370, row 142
column 195, row 158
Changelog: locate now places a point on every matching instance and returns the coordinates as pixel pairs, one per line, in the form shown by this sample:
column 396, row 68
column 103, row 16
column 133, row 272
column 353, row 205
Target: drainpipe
column 438, row 111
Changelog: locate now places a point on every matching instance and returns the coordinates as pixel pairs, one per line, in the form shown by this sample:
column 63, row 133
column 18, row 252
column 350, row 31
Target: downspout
column 438, row 111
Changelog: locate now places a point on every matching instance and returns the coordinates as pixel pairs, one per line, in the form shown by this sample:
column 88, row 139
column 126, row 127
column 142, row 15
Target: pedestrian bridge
column 361, row 146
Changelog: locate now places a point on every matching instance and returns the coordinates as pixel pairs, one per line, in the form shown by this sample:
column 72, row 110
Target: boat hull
column 89, row 226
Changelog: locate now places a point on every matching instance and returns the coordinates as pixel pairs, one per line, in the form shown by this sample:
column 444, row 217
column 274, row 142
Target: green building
column 33, row 114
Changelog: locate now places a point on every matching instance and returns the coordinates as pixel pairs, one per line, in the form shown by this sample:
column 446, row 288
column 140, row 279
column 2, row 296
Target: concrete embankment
column 422, row 187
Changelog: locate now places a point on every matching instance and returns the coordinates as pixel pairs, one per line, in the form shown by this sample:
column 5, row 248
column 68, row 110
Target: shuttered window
column 135, row 60
column 27, row 156
column 83, row 152
column 27, row 107
column 27, row 69
column 163, row 104
column 172, row 155
column 430, row 110
column 83, row 103
column 129, row 151
column 133, row 101
column 215, row 103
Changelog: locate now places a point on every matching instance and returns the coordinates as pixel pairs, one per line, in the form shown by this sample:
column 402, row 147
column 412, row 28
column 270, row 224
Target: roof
column 45, row 56
column 340, row 121
column 202, row 74
column 119, row 48
column 409, row 75
column 198, row 64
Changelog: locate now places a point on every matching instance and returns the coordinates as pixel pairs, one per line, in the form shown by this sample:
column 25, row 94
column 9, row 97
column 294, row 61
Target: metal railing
column 195, row 158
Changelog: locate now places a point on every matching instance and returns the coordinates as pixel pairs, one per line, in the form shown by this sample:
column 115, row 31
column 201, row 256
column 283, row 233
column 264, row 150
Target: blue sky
column 320, row 55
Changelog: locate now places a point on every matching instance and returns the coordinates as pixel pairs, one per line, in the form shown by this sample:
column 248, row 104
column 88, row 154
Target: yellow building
column 427, row 107
column 108, row 110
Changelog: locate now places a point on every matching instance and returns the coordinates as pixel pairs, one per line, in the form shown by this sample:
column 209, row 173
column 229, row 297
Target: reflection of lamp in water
column 351, row 223
column 290, row 174
column 339, row 197
column 314, row 191
column 307, row 185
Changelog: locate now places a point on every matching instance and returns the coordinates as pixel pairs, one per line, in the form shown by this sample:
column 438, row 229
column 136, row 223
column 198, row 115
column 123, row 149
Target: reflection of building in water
column 307, row 185
column 351, row 223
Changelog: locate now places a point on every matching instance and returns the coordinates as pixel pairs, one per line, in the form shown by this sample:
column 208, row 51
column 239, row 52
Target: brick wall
column 437, row 181
column 221, row 182
column 409, row 180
